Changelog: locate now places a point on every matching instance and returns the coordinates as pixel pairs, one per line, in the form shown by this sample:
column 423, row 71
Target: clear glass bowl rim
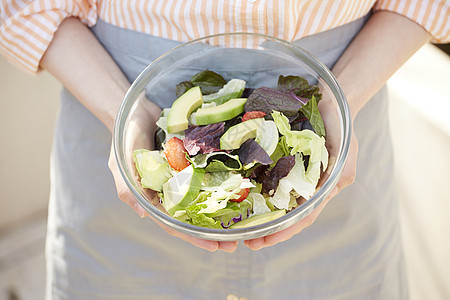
column 259, row 230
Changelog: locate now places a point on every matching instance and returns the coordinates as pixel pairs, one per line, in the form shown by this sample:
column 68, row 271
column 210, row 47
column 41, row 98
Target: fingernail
column 229, row 247
column 212, row 248
column 255, row 244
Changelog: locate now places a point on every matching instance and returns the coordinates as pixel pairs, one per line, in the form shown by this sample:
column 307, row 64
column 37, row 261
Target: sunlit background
column 420, row 121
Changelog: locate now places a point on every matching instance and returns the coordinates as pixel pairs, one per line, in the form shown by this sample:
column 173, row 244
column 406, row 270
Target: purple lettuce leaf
column 247, row 92
column 281, row 169
column 301, row 87
column 301, row 123
column 267, row 100
column 258, row 172
column 298, row 86
column 232, row 221
column 250, row 151
column 203, row 139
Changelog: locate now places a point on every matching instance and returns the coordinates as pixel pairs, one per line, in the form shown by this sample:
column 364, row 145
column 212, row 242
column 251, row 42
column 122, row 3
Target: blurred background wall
column 28, row 107
column 27, row 115
column 420, row 119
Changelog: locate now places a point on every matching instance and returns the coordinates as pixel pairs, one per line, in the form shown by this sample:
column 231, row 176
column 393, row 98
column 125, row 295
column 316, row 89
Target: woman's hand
column 379, row 49
column 328, row 112
column 141, row 132
column 127, row 197
column 383, row 45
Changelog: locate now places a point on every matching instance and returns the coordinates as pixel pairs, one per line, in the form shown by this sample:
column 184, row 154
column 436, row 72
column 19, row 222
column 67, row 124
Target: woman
column 98, row 249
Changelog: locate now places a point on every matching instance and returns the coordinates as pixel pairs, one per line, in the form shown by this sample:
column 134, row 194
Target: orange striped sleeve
column 432, row 15
column 28, row 27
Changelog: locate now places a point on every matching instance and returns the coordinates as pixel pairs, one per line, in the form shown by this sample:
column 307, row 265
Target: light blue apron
column 98, row 248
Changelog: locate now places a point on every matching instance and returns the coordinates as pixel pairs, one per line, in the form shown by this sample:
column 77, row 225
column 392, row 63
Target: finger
column 275, row 238
column 211, row 246
column 349, row 171
column 229, row 247
column 255, row 244
column 127, row 197
column 287, row 233
column 123, row 191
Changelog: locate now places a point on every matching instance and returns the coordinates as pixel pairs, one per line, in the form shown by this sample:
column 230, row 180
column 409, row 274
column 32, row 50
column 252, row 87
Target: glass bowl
column 257, row 59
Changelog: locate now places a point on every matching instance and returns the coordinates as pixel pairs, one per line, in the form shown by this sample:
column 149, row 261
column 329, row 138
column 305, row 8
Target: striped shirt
column 27, row 26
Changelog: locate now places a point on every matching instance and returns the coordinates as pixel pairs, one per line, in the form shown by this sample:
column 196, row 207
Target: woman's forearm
column 85, row 68
column 383, row 45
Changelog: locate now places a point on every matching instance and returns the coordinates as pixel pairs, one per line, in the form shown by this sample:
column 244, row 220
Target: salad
column 231, row 156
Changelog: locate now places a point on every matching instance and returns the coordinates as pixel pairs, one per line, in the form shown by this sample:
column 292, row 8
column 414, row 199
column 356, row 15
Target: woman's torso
column 99, row 249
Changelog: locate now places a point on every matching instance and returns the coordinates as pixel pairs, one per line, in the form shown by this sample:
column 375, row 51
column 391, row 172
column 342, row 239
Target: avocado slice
column 177, row 120
column 180, row 190
column 259, row 219
column 219, row 113
column 236, row 135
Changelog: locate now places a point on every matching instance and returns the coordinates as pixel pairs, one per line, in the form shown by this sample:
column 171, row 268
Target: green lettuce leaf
column 222, row 186
column 217, row 162
column 281, row 150
column 259, row 204
column 162, row 123
column 233, row 89
column 267, row 136
column 208, row 81
column 148, row 163
column 257, row 188
column 200, row 219
column 305, row 141
column 183, row 87
column 311, row 112
column 233, row 211
column 182, row 216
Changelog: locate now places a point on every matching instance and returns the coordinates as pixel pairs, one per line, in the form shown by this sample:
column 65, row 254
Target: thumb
column 124, row 193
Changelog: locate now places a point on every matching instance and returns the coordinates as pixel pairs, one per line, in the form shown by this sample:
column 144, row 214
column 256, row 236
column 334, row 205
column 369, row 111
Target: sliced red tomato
column 242, row 195
column 176, row 154
column 253, row 115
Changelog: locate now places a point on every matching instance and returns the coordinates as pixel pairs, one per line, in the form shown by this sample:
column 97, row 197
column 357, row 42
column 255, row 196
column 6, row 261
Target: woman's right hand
column 141, row 132
column 127, row 197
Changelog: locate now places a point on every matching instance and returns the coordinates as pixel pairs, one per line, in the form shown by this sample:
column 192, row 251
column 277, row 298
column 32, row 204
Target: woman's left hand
column 347, row 178
column 386, row 41
column 328, row 112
